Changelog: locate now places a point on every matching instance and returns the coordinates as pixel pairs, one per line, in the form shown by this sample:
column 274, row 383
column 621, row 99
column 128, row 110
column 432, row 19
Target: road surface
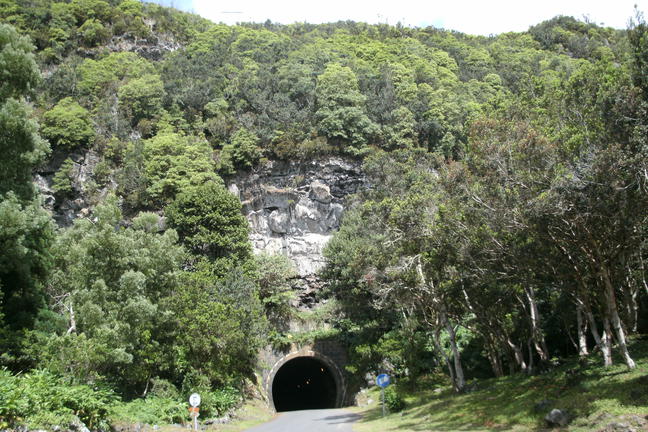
column 323, row 420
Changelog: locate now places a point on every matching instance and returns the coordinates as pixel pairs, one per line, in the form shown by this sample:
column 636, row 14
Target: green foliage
column 142, row 97
column 18, row 71
column 62, row 181
column 26, row 233
column 340, row 112
column 274, row 273
column 93, row 32
column 21, row 148
column 174, row 162
column 220, row 401
column 393, row 400
column 150, row 410
column 220, row 327
column 242, row 152
column 39, row 399
column 68, row 125
column 111, row 282
column 99, row 76
column 209, row 221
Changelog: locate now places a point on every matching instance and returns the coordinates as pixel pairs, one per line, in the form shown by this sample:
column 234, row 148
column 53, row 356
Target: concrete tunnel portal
column 300, row 382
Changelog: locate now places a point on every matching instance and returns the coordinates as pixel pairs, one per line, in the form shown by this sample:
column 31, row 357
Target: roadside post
column 383, row 381
column 194, row 401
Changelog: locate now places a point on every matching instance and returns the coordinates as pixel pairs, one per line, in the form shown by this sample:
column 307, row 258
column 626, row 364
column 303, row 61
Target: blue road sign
column 383, row 380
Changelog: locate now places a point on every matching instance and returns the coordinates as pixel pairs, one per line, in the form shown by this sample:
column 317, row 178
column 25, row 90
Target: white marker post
column 194, row 401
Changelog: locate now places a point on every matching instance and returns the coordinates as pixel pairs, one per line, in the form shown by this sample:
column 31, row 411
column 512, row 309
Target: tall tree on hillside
column 25, row 229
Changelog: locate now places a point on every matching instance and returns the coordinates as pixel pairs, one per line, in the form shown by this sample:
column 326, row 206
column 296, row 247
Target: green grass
column 252, row 413
column 595, row 396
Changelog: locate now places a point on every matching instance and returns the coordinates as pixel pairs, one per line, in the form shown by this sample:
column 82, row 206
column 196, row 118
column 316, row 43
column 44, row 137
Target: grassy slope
column 594, row 395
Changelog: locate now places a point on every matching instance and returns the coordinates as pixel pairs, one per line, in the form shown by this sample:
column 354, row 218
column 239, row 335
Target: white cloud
column 469, row 16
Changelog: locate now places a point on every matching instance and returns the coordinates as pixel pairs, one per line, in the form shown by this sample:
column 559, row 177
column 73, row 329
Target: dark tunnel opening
column 304, row 383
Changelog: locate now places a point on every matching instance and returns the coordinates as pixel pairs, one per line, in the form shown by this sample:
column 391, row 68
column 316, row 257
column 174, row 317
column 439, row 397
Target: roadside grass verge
column 251, row 413
column 594, row 396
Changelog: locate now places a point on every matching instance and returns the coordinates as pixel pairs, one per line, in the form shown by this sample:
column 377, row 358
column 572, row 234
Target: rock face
column 66, row 210
column 294, row 209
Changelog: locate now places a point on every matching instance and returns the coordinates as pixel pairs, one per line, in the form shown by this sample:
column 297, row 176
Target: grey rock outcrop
column 295, row 208
column 66, row 209
column 557, row 417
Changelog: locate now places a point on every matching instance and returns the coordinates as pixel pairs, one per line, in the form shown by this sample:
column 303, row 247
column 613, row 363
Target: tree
column 407, row 260
column 209, row 221
column 62, row 181
column 26, row 232
column 340, row 108
column 273, row 276
column 242, row 152
column 108, row 284
column 21, row 148
column 93, row 32
column 220, row 325
column 141, row 97
column 68, row 125
column 173, row 162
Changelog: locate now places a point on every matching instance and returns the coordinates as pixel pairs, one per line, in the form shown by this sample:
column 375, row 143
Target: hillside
column 179, row 195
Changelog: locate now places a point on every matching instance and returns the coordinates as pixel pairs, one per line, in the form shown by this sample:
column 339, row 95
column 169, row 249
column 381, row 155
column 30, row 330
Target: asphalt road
column 324, row 420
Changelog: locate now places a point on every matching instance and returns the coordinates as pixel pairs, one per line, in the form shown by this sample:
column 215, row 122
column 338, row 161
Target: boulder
column 557, row 417
column 279, row 222
column 320, row 192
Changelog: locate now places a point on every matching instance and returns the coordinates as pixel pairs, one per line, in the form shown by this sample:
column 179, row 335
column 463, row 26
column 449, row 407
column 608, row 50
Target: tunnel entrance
column 304, row 383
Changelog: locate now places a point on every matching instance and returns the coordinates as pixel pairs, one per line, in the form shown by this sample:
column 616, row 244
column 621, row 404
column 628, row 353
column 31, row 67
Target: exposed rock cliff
column 294, row 208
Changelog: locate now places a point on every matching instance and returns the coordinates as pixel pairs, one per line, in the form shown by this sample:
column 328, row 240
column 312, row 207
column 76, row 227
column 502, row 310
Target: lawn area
column 593, row 395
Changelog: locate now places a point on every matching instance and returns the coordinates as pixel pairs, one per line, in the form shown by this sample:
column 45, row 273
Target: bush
column 68, row 125
column 62, row 181
column 393, row 400
column 152, row 410
column 40, row 399
column 220, row 401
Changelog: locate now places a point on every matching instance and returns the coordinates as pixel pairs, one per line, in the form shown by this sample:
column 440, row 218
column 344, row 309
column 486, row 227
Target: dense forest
column 504, row 228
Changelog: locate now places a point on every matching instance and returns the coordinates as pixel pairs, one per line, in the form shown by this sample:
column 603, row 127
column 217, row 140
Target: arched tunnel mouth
column 304, row 383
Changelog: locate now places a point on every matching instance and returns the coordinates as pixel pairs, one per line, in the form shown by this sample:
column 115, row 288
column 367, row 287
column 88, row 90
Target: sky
column 478, row 17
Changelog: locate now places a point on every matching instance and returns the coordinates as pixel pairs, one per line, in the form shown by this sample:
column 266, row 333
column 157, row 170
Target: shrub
column 152, row 410
column 68, row 124
column 62, row 181
column 220, row 401
column 393, row 400
column 40, row 399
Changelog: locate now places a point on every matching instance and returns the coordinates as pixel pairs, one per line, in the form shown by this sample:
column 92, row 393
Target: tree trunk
column 441, row 352
column 630, row 292
column 494, row 359
column 73, row 327
column 613, row 314
column 582, row 331
column 460, row 381
column 519, row 357
column 536, row 331
column 606, row 345
column 530, row 346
